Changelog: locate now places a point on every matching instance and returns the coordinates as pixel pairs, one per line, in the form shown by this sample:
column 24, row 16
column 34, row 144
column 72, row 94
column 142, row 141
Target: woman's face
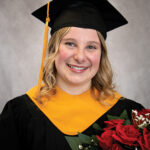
column 78, row 57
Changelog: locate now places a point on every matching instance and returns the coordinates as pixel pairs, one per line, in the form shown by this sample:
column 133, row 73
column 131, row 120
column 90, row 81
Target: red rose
column 127, row 135
column 106, row 140
column 117, row 147
column 144, row 111
column 144, row 140
column 113, row 123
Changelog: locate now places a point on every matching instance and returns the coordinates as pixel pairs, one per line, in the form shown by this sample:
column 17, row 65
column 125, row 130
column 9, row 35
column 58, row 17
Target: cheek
column 62, row 56
column 95, row 59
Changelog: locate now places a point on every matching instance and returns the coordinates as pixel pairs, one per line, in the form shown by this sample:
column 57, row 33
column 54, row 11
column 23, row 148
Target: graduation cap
column 94, row 14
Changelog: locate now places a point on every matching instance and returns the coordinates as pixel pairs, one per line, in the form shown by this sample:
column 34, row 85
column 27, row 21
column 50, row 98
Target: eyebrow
column 67, row 39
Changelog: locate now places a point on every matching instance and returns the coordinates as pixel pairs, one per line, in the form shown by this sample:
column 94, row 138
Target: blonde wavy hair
column 102, row 81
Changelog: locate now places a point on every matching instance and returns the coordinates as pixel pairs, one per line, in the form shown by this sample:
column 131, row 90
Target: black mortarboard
column 94, row 14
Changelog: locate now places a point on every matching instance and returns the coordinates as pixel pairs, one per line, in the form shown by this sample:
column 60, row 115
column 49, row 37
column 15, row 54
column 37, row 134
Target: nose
column 79, row 55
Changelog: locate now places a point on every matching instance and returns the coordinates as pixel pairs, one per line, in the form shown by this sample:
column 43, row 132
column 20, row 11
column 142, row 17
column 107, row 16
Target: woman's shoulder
column 21, row 107
column 125, row 104
column 129, row 104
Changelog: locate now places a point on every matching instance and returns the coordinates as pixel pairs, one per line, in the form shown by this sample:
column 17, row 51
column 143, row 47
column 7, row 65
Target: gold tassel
column 44, row 52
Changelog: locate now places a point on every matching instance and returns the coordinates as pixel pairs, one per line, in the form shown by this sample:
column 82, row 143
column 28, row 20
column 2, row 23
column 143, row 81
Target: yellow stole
column 73, row 113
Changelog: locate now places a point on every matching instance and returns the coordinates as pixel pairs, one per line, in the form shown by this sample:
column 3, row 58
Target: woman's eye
column 70, row 44
column 91, row 47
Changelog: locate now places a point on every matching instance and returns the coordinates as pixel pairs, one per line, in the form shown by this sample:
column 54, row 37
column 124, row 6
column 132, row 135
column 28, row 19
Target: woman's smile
column 76, row 68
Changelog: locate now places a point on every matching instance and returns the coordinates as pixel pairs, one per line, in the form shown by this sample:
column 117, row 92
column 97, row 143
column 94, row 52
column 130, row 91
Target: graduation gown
column 24, row 126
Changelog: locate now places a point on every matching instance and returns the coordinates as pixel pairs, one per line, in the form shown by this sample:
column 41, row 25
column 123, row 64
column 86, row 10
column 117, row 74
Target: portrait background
column 21, row 42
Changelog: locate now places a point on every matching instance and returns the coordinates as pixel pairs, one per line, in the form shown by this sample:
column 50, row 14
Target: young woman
column 77, row 89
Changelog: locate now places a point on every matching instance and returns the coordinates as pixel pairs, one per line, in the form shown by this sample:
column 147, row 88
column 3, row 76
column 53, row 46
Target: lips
column 78, row 68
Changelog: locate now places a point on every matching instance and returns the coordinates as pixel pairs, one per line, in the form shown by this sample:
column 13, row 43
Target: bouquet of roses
column 120, row 133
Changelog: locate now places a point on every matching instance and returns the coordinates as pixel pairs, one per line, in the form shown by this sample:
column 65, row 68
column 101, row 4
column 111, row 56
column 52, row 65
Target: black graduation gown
column 23, row 126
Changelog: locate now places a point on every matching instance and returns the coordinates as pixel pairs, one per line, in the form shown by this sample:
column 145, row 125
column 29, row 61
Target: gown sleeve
column 24, row 127
column 9, row 138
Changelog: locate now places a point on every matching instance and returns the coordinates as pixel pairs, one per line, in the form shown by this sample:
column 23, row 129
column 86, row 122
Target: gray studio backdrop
column 21, row 40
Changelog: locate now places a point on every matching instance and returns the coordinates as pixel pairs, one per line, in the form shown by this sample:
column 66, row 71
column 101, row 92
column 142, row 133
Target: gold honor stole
column 73, row 113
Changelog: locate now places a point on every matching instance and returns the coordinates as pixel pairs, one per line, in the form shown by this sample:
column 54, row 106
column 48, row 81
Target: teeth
column 77, row 68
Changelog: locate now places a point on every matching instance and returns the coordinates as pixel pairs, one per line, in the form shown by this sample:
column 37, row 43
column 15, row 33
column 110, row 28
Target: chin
column 79, row 82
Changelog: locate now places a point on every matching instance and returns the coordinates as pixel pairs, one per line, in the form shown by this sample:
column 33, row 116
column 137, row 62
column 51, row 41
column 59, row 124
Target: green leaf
column 124, row 115
column 148, row 127
column 110, row 117
column 73, row 142
column 96, row 126
column 85, row 139
column 95, row 140
column 127, row 122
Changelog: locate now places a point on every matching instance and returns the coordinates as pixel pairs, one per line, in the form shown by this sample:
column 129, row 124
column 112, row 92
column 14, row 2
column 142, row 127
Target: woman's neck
column 74, row 89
